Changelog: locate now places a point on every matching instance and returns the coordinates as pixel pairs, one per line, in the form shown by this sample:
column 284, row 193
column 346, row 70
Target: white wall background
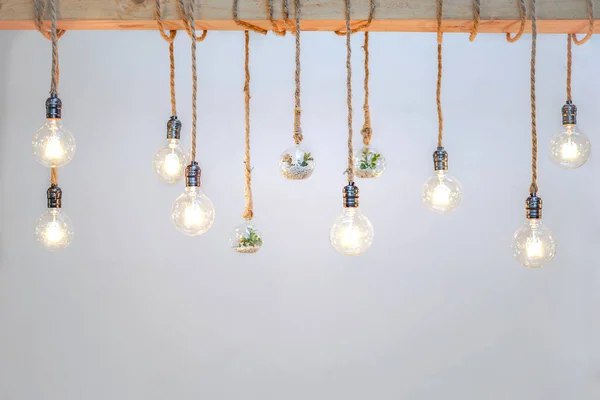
column 436, row 309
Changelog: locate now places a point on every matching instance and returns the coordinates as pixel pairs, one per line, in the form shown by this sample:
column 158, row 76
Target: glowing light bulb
column 351, row 233
column 442, row 193
column 569, row 148
column 170, row 161
column 53, row 145
column 296, row 163
column 54, row 229
column 193, row 213
column 533, row 244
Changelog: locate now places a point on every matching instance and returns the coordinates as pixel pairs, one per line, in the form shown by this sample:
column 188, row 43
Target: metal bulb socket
column 569, row 113
column 192, row 175
column 533, row 207
column 53, row 107
column 440, row 159
column 54, row 195
column 174, row 128
column 350, row 193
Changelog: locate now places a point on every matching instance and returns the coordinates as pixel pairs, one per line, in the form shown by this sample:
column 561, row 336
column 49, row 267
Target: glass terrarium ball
column 54, row 230
column 368, row 163
column 570, row 148
column 170, row 161
column 533, row 244
column 296, row 163
column 193, row 213
column 442, row 193
column 53, row 145
column 245, row 238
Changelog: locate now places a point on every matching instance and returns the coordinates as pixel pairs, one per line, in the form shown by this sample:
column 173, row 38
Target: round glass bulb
column 442, row 193
column 245, row 238
column 369, row 163
column 169, row 162
column 53, row 145
column 570, row 148
column 193, row 213
column 54, row 230
column 296, row 163
column 533, row 244
column 351, row 233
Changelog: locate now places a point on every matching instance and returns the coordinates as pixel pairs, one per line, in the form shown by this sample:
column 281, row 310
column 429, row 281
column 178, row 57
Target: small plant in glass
column 369, row 163
column 296, row 163
column 246, row 238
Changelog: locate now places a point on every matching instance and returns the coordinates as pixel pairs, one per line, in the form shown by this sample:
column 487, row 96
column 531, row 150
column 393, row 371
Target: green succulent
column 250, row 238
column 307, row 157
column 369, row 159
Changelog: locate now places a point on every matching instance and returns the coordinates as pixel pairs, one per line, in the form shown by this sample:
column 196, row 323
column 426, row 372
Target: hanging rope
column 523, row 15
column 297, row 109
column 170, row 38
column 476, row 19
column 534, row 141
column 590, row 31
column 367, row 130
column 350, row 170
column 569, row 65
column 245, row 24
column 248, row 211
column 276, row 29
column 39, row 7
column 438, row 95
column 189, row 22
column 362, row 25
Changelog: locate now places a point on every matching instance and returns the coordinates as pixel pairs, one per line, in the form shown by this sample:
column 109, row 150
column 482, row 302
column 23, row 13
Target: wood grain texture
column 555, row 16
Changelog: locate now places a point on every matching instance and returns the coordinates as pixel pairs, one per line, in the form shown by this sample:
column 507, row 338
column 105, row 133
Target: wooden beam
column 555, row 16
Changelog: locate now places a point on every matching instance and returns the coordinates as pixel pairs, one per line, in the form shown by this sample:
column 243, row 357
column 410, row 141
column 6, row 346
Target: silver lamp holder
column 440, row 159
column 533, row 207
column 192, row 175
column 173, row 128
column 569, row 113
column 350, row 193
column 54, row 195
column 53, row 107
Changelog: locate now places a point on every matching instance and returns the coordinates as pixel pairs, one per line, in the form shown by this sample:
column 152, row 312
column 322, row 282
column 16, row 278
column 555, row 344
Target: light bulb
column 193, row 213
column 245, row 238
column 369, row 163
column 351, row 233
column 570, row 148
column 170, row 161
column 53, row 145
column 533, row 244
column 442, row 192
column 296, row 163
column 54, row 229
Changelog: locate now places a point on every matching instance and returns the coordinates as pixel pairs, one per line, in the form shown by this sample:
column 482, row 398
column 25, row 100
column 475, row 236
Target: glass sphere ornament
column 193, row 213
column 169, row 162
column 296, row 163
column 245, row 238
column 54, row 229
column 569, row 148
column 369, row 163
column 351, row 233
column 53, row 145
column 442, row 193
column 533, row 244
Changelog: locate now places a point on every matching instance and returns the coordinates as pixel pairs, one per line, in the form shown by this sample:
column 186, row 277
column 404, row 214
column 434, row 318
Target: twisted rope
column 298, row 137
column 438, row 93
column 569, row 65
column 350, row 170
column 533, row 188
column 53, row 36
column 590, row 31
column 54, row 176
column 367, row 130
column 170, row 38
column 248, row 211
column 276, row 29
column 476, row 19
column 245, row 24
column 523, row 14
column 189, row 22
column 361, row 25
